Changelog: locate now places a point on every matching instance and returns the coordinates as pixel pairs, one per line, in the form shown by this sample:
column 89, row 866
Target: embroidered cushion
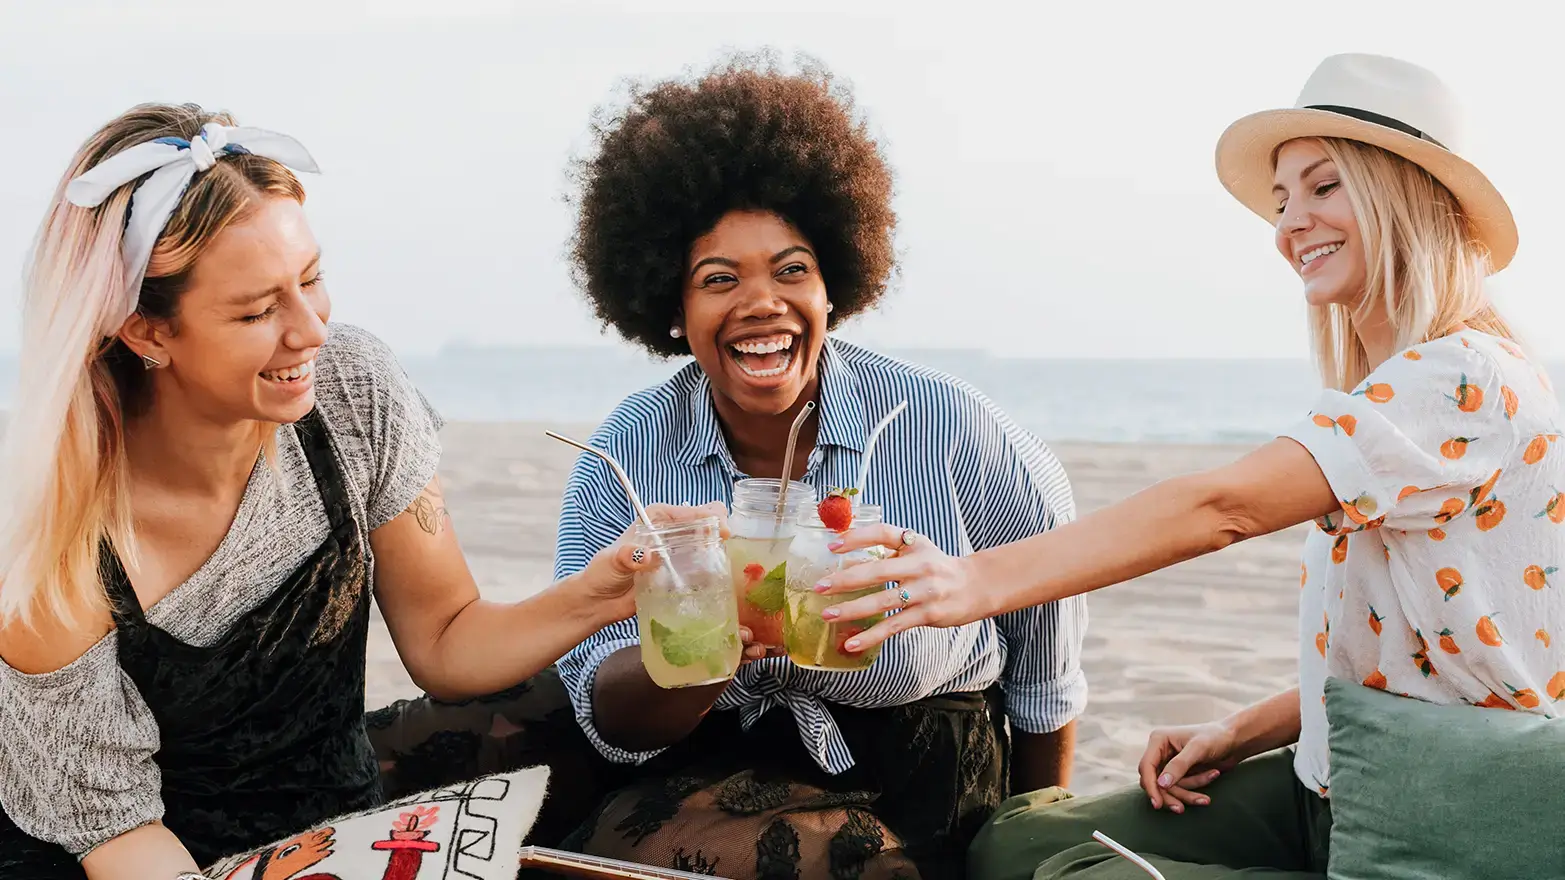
column 472, row 831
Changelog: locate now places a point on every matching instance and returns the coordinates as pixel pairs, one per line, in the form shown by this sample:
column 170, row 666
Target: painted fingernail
column 1177, row 808
column 822, row 587
column 1164, row 781
column 638, row 555
column 830, row 614
column 1203, row 801
column 834, row 546
column 851, row 645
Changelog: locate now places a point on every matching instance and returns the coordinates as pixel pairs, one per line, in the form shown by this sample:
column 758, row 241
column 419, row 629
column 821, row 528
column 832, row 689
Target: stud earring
column 150, row 362
column 675, row 332
column 829, row 307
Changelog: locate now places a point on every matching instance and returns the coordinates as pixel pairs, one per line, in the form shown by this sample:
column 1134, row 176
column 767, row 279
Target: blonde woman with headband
column 1429, row 466
column 207, row 482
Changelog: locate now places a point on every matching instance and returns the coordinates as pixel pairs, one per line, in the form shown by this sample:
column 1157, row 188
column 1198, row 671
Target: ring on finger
column 908, row 537
column 905, row 596
column 638, row 555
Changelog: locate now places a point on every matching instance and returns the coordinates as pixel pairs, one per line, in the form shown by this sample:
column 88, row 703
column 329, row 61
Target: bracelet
column 191, row 875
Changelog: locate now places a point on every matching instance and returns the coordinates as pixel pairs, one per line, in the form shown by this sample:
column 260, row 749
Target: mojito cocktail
column 686, row 613
column 811, row 642
column 758, row 546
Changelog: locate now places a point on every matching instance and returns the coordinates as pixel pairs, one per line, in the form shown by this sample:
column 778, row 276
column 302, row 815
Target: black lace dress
column 745, row 805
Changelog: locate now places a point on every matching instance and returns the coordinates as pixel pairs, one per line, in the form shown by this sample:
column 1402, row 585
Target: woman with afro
column 739, row 218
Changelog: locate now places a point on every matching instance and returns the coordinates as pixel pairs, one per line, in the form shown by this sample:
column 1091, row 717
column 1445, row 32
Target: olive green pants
column 1262, row 822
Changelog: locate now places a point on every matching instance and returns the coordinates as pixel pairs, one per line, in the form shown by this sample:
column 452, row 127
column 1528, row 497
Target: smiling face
column 249, row 322
column 1317, row 232
column 754, row 311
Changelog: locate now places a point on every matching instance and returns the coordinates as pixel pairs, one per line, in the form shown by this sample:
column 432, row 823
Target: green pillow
column 1420, row 790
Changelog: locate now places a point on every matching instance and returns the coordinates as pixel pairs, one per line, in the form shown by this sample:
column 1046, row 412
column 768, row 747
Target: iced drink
column 811, row 642
column 758, row 552
column 686, row 612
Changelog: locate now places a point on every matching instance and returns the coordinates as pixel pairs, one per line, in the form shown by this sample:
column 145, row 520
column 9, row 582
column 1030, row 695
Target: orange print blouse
column 1443, row 576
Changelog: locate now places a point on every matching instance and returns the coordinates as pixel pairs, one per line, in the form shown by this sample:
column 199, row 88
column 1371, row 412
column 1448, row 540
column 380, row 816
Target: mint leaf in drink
column 660, row 633
column 768, row 594
column 691, row 643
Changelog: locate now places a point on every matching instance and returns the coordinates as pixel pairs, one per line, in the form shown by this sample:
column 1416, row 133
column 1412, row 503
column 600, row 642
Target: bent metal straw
column 630, row 490
column 869, row 449
column 787, row 470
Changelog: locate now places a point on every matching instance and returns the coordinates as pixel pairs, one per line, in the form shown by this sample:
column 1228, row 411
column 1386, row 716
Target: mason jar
column 685, row 609
column 758, row 544
column 811, row 642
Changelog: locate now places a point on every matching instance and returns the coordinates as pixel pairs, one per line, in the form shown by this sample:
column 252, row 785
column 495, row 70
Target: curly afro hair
column 742, row 137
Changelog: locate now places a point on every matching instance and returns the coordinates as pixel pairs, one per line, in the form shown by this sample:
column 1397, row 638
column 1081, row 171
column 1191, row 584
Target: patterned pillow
column 472, row 831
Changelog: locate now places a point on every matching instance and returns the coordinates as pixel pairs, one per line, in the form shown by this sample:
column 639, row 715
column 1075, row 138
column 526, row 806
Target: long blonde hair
column 1426, row 269
column 63, row 465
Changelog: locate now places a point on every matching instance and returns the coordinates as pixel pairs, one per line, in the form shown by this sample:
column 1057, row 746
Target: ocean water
column 1158, row 401
column 1166, row 401
column 1179, row 401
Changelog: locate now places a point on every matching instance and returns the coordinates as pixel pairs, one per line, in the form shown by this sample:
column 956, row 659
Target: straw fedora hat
column 1394, row 105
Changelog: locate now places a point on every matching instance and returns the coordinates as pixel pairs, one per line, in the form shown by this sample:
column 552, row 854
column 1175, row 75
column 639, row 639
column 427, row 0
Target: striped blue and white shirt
column 953, row 467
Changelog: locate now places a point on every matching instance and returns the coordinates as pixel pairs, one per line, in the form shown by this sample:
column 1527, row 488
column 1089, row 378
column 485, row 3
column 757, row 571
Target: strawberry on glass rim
column 836, row 509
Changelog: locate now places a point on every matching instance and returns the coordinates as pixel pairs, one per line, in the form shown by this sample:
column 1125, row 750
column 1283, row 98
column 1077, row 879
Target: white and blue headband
column 174, row 162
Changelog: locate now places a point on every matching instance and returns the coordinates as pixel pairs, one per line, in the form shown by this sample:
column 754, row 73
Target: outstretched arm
column 1276, row 486
column 456, row 644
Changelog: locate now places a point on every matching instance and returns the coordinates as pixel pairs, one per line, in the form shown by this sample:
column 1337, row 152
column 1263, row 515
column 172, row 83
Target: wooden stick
column 572, row 864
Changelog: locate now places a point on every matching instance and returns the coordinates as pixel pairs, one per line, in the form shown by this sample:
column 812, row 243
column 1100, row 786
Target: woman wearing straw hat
column 1428, row 464
column 739, row 216
column 207, row 484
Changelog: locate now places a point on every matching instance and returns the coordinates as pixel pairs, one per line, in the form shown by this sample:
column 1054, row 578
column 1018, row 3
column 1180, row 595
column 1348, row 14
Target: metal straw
column 635, row 500
column 869, row 448
column 1134, row 859
column 641, row 510
column 787, row 471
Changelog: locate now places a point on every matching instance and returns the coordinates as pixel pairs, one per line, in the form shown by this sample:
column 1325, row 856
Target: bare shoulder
column 48, row 644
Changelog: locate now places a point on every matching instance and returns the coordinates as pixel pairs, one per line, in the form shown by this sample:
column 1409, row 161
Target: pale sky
column 1054, row 166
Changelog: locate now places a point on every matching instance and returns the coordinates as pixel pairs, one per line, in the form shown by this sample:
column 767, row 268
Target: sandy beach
column 1189, row 644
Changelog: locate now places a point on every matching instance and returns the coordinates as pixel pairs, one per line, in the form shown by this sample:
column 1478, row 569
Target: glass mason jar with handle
column 811, row 642
column 758, row 545
column 685, row 608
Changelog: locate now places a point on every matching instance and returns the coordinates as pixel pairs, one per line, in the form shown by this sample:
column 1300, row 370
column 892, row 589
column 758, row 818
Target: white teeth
column 782, row 367
column 292, row 374
column 1319, row 252
column 764, row 346
column 781, row 345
